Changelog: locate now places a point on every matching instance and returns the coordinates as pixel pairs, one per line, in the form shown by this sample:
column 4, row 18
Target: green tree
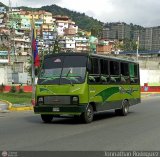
column 129, row 45
column 56, row 48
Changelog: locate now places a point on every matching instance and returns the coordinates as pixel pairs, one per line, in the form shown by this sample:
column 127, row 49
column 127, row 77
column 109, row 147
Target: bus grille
column 56, row 100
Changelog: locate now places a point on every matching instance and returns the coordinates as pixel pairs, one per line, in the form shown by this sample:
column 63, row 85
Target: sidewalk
column 147, row 94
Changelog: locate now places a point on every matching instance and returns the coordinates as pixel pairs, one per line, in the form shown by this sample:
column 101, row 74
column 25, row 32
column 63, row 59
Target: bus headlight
column 75, row 100
column 40, row 100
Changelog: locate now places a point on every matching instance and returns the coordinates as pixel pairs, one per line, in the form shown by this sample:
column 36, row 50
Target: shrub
column 13, row 89
column 21, row 89
column 2, row 87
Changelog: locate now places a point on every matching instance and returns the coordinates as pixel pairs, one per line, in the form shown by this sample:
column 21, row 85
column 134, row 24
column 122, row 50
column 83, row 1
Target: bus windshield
column 63, row 70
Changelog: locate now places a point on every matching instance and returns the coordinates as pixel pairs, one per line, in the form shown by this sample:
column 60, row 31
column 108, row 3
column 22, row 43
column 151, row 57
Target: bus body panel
column 111, row 96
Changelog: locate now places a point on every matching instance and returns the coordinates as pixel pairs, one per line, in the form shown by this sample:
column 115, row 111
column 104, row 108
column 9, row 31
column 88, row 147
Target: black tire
column 87, row 116
column 118, row 112
column 46, row 118
column 125, row 108
column 76, row 117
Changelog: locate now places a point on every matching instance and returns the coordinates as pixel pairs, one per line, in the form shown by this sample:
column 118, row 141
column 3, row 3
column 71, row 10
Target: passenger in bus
column 123, row 79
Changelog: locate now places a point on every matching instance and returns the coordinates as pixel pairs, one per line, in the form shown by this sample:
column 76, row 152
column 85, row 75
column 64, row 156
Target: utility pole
column 10, row 45
column 48, row 40
column 137, row 47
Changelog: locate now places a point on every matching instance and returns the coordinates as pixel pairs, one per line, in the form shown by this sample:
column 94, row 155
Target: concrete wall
column 150, row 70
column 149, row 76
column 5, row 74
column 2, row 80
column 149, row 65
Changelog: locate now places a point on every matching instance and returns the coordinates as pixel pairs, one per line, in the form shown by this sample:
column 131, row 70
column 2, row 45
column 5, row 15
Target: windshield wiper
column 69, row 78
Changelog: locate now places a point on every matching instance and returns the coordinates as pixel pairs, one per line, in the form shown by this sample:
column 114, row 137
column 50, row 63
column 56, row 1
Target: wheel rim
column 126, row 109
column 89, row 113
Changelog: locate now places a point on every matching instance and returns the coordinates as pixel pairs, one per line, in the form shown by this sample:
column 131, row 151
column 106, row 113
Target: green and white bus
column 81, row 84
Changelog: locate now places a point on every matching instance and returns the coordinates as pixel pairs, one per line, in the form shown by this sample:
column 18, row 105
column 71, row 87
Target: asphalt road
column 140, row 130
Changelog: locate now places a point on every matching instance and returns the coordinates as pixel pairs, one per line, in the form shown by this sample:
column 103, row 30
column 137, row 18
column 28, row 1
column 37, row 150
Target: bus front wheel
column 46, row 118
column 87, row 116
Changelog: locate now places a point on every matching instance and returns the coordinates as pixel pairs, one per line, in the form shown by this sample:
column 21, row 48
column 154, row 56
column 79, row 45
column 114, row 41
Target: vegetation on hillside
column 83, row 21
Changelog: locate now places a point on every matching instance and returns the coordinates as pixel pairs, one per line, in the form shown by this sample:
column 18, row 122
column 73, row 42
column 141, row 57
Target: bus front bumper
column 60, row 110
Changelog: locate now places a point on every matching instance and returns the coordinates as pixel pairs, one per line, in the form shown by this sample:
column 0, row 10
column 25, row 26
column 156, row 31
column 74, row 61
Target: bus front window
column 63, row 70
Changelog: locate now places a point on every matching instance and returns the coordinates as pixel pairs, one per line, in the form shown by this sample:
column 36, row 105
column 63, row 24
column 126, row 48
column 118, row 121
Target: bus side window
column 125, row 73
column 134, row 73
column 104, row 71
column 114, row 72
column 94, row 75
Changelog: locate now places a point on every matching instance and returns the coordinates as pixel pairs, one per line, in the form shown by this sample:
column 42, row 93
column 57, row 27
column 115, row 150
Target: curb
column 25, row 108
column 12, row 108
column 8, row 103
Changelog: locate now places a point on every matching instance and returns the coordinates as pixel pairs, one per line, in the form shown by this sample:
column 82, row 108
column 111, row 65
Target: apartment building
column 148, row 38
column 62, row 23
column 141, row 35
column 113, row 34
column 71, row 30
column 46, row 17
column 4, row 36
column 106, row 33
column 70, row 43
column 156, row 38
column 123, row 31
column 81, row 44
column 118, row 31
column 22, row 44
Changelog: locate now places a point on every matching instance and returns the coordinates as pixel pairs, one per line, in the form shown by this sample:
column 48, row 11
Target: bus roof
column 88, row 54
column 113, row 58
column 66, row 54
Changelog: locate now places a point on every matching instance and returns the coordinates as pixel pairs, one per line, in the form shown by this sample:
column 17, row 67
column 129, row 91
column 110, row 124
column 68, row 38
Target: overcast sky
column 141, row 12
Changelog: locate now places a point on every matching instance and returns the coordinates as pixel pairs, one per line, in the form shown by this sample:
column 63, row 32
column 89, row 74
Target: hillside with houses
column 15, row 39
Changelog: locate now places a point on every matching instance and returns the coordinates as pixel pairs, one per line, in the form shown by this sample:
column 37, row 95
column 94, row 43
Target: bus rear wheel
column 87, row 116
column 46, row 118
column 124, row 110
